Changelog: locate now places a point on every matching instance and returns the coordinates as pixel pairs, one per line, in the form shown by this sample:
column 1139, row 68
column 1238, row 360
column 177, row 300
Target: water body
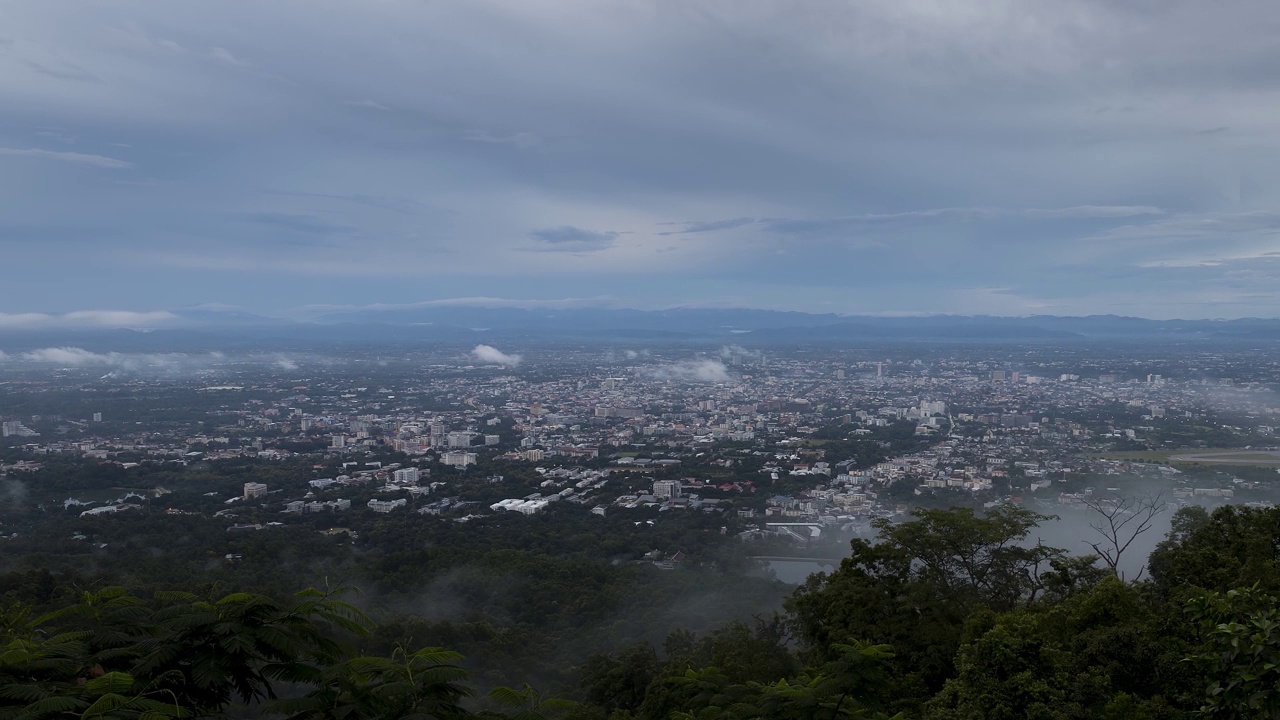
column 795, row 572
column 1070, row 531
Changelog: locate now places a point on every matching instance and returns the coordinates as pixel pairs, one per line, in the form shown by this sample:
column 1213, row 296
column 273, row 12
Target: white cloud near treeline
column 86, row 319
column 493, row 356
column 708, row 371
column 75, row 357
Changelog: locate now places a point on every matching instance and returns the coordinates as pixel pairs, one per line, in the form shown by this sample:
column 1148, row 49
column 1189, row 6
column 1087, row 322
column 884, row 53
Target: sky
column 1008, row 157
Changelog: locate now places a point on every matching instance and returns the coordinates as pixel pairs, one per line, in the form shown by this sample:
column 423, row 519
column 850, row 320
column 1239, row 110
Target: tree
column 1230, row 548
column 1121, row 520
column 1101, row 653
column 410, row 684
column 915, row 588
column 1240, row 653
column 620, row 682
column 845, row 687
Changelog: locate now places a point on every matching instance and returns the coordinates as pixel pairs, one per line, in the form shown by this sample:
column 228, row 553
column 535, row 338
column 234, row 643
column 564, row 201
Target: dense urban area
column 590, row 520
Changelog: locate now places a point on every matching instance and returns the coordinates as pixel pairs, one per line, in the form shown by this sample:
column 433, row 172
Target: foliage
column 1083, row 657
column 915, row 587
column 1240, row 653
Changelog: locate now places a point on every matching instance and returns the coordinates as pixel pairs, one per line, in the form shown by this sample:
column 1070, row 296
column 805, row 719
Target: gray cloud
column 690, row 371
column 954, row 147
column 714, row 225
column 309, row 224
column 87, row 319
column 101, row 161
column 567, row 238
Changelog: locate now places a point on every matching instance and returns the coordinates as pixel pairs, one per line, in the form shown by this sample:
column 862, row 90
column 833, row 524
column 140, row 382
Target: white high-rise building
column 406, row 476
column 667, row 488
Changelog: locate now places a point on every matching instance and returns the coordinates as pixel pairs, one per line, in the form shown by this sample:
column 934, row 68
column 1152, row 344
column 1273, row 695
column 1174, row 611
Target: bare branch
column 1120, row 521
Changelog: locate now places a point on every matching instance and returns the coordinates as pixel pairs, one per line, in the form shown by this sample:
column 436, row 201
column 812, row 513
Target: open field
column 1236, row 456
column 1229, row 457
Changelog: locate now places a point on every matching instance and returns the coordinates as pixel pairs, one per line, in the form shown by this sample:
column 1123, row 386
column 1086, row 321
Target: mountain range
column 199, row 327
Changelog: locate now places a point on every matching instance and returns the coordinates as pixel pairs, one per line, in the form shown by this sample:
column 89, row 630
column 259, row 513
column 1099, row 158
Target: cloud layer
column 881, row 156
column 493, row 356
column 86, row 319
column 75, row 357
column 690, row 371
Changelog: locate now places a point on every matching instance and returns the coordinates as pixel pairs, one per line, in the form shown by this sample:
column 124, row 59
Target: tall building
column 406, row 476
column 339, row 441
column 667, row 488
column 936, row 407
column 879, row 370
column 997, row 376
column 97, row 417
column 15, row 427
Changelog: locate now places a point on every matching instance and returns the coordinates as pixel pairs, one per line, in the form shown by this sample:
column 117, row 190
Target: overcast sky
column 873, row 156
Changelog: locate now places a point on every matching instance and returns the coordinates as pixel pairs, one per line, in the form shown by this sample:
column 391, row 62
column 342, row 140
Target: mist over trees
column 950, row 614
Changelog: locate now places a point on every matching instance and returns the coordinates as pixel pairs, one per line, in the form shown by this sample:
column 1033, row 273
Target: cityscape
column 639, row 360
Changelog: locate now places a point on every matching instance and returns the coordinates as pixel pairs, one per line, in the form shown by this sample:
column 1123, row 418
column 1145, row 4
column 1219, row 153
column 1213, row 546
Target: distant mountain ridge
column 199, row 327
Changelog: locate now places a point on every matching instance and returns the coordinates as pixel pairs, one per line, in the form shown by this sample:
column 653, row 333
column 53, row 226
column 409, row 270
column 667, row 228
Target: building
column 461, row 438
column 997, row 376
column 406, row 476
column 386, row 506
column 339, row 441
column 253, row 490
column 16, row 428
column 458, row 459
column 936, row 407
column 436, row 433
column 97, row 417
column 668, row 489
